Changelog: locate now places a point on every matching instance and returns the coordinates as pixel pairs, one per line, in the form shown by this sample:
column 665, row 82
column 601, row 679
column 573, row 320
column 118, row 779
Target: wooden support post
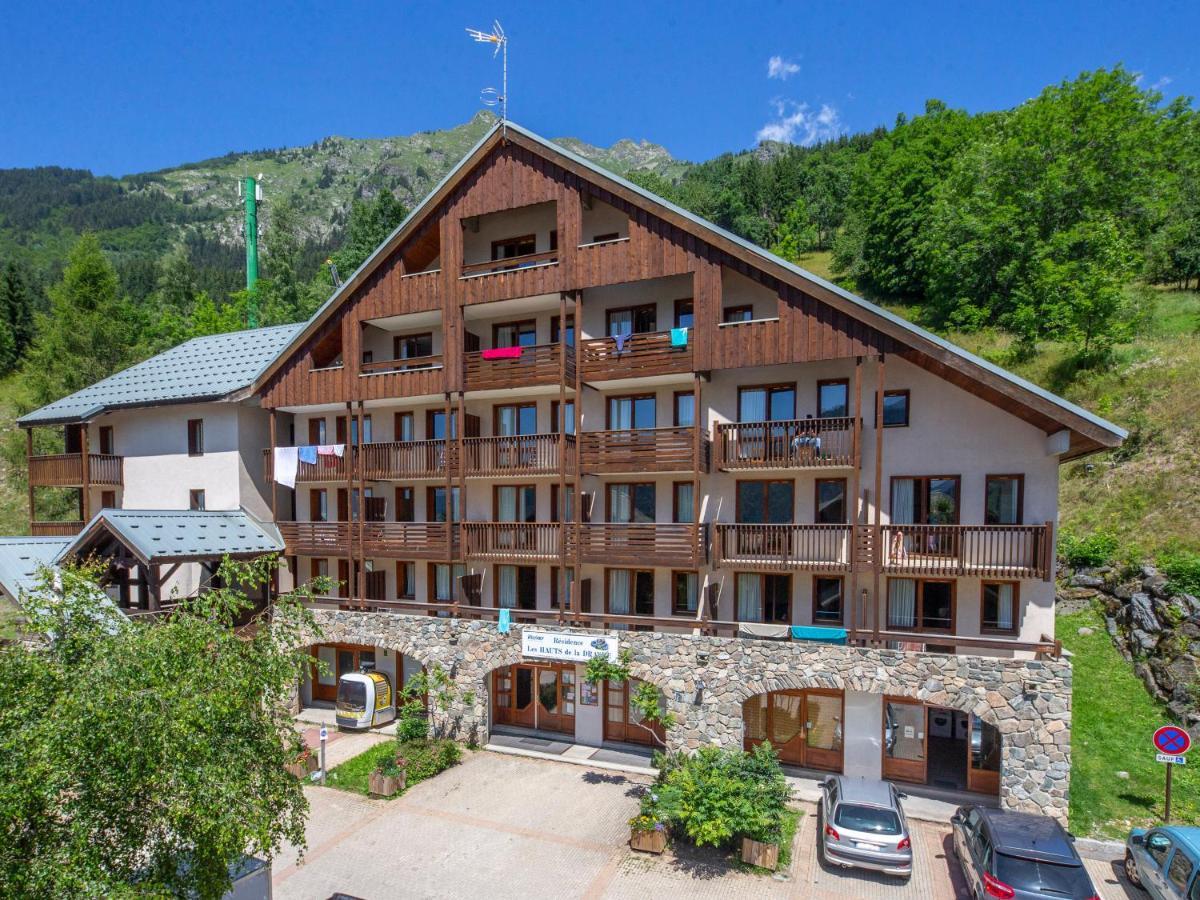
column 852, row 507
column 559, row 515
column 274, row 483
column 878, row 606
column 29, row 480
column 352, row 581
column 85, row 498
column 576, row 525
column 362, row 499
column 460, row 431
column 154, row 586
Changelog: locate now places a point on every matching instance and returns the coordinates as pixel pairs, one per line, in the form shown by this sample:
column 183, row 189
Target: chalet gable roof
column 1036, row 404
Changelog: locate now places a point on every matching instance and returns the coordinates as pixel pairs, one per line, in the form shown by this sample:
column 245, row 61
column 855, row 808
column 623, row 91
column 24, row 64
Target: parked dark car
column 1165, row 861
column 1018, row 856
column 864, row 826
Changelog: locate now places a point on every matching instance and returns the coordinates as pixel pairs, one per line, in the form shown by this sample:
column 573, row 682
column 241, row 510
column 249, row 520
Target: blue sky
column 139, row 86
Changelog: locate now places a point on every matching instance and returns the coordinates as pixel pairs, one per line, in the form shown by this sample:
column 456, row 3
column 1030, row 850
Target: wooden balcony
column 410, row 540
column 390, row 378
column 792, row 444
column 413, row 364
column 643, row 450
column 326, row 468
column 783, row 548
column 55, row 529
column 315, row 538
column 66, row 470
column 526, row 454
column 492, row 266
column 680, row 545
column 983, row 551
column 538, row 365
column 641, row 356
column 400, row 460
column 513, row 542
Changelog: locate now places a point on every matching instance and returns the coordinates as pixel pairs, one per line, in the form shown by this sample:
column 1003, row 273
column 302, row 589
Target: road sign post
column 1172, row 743
column 325, row 734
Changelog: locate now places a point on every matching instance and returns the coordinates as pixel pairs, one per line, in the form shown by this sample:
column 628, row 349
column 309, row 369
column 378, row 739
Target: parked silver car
column 863, row 826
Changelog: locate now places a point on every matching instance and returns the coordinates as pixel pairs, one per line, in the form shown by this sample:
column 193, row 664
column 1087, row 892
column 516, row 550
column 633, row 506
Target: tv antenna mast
column 490, row 96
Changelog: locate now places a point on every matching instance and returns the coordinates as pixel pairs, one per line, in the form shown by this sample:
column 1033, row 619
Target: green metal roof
column 20, row 558
column 204, row 368
column 166, row 535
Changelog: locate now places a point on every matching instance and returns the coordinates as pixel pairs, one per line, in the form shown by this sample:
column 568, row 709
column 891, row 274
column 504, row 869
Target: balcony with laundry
column 638, row 330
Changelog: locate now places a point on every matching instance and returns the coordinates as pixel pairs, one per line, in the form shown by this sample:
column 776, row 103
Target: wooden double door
column 964, row 748
column 621, row 721
column 339, row 659
column 535, row 695
column 804, row 727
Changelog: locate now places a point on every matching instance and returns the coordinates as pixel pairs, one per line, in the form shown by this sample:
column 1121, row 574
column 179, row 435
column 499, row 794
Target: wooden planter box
column 302, row 768
column 648, row 841
column 380, row 785
column 765, row 856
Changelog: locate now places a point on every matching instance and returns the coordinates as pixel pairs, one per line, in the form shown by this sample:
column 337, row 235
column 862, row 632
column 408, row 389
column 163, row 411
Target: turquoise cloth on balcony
column 820, row 633
column 504, row 621
column 679, row 337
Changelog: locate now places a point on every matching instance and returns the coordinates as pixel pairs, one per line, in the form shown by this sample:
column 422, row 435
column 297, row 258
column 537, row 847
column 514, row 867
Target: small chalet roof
column 20, row 558
column 204, row 368
column 1099, row 432
column 178, row 535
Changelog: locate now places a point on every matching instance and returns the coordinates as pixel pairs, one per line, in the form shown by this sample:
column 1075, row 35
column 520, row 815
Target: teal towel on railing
column 504, row 621
column 679, row 337
column 820, row 633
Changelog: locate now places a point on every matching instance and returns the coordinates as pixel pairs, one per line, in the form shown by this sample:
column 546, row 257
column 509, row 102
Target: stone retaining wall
column 706, row 679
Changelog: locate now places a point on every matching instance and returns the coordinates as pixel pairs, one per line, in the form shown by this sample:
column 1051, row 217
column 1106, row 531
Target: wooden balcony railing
column 413, row 364
column 396, row 460
column 818, row 548
column 984, row 551
column 513, row 541
column 641, row 356
column 792, row 444
column 643, row 544
column 643, row 450
column 525, row 454
column 537, row 365
column 491, row 266
column 66, row 470
column 410, row 540
column 55, row 529
column 326, row 468
column 316, row 538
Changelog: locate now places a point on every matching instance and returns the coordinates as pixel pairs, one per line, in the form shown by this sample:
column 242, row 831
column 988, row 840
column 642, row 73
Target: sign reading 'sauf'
column 566, row 647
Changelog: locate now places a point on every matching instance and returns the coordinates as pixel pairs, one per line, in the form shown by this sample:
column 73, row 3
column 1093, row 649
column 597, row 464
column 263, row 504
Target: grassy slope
column 1113, row 720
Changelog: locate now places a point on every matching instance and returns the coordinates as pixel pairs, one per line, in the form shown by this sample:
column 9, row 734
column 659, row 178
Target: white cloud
column 795, row 123
column 778, row 67
column 1161, row 83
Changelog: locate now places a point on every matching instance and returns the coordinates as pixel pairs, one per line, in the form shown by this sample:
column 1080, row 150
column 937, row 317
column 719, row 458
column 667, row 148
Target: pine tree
column 16, row 306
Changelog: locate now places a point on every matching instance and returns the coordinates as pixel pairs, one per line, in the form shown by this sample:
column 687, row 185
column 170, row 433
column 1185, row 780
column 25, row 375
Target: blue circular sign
column 1172, row 739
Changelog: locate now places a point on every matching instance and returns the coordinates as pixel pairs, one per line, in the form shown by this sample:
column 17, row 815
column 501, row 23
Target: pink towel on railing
column 502, row 353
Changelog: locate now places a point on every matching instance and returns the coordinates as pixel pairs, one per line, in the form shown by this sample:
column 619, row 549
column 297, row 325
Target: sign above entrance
column 566, row 647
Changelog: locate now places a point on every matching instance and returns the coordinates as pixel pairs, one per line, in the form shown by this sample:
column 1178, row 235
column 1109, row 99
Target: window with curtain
column 406, row 580
column 685, row 593
column 749, row 597
column 999, row 606
column 764, row 598
column 635, row 320
column 765, row 502
column 562, row 504
column 630, row 592
column 515, row 334
column 928, row 500
column 902, row 604
column 685, row 313
column 561, row 580
column 827, row 601
column 514, row 419
column 445, row 581
column 684, row 507
column 506, row 587
column 404, row 427
column 685, row 410
column 618, row 591
column 626, row 413
column 631, row 503
column 1003, row 500
column 564, row 420
column 412, row 346
column 833, row 399
column 831, row 501
column 436, row 503
column 775, row 403
column 516, row 503
column 557, row 334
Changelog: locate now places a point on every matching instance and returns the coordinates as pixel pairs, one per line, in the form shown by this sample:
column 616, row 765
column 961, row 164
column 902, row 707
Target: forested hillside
column 1060, row 238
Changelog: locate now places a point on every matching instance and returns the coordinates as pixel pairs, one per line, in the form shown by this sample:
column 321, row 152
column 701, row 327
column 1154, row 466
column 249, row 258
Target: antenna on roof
column 490, row 96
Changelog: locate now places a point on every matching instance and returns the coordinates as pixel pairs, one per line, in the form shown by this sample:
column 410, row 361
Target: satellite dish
column 490, row 97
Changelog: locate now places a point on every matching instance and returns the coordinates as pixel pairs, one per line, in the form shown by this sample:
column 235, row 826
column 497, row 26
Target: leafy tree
column 797, row 234
column 146, row 758
column 89, row 332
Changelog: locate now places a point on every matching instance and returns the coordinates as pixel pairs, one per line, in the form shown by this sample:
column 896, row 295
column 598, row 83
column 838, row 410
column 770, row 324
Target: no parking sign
column 1171, row 742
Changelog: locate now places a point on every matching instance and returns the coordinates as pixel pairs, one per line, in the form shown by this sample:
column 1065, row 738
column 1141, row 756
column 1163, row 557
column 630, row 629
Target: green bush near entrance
column 425, row 759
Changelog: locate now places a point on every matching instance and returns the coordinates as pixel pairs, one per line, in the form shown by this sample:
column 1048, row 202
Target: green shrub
column 414, row 722
column 1097, row 549
column 1182, row 568
column 719, row 795
column 428, row 757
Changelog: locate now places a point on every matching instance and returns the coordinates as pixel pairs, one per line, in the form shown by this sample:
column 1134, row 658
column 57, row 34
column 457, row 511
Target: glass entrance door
column 533, row 696
column 983, row 757
column 904, row 740
column 805, row 727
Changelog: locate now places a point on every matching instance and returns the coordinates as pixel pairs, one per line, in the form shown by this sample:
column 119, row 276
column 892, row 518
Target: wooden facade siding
column 411, row 540
column 66, row 470
column 315, row 538
column 643, row 450
column 783, row 548
column 412, row 364
column 642, row 356
column 525, row 454
column 513, row 542
column 791, row 444
column 539, row 365
column 55, row 529
column 375, row 384
column 982, row 551
column 400, row 460
column 677, row 545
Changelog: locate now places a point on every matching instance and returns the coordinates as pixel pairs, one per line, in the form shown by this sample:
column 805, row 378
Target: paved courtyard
column 502, row 826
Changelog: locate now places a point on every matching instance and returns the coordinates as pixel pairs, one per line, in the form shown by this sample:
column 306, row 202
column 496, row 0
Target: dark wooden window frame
column 919, row 609
column 555, row 500
column 518, row 239
column 194, row 495
column 841, row 611
column 519, row 324
column 496, row 581
column 557, row 425
column 517, row 406
column 632, row 309
column 1020, row 479
column 607, row 236
column 314, row 506
column 728, row 313
column 907, row 395
column 105, row 441
column 400, row 594
column 643, row 396
column 827, row 382
column 431, row 582
column 678, row 305
column 556, row 331
column 769, row 388
column 817, row 500
column 957, row 479
column 397, row 338
column 398, row 428
column 675, row 408
column 411, row 502
column 430, row 504
column 496, row 499
column 630, row 484
column 195, row 437
column 686, row 613
column 763, row 576
column 675, row 486
column 1016, row 610
column 634, row 572
column 737, row 498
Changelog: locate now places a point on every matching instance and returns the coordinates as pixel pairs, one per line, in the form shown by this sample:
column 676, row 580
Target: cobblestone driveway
column 502, row 826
